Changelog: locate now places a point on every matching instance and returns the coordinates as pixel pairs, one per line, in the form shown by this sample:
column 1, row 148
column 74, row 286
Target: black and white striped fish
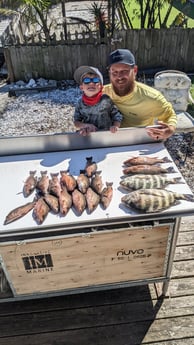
column 139, row 181
column 154, row 200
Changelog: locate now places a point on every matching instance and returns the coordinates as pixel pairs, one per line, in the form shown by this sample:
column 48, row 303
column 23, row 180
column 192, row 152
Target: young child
column 94, row 111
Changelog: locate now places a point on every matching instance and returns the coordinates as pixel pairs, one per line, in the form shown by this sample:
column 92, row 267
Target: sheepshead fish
column 145, row 160
column 19, row 212
column 68, row 180
column 91, row 166
column 83, row 182
column 79, row 201
column 135, row 182
column 30, row 184
column 154, row 200
column 54, row 184
column 65, row 201
column 43, row 183
column 106, row 195
column 147, row 169
column 40, row 211
column 52, row 201
column 96, row 182
column 92, row 199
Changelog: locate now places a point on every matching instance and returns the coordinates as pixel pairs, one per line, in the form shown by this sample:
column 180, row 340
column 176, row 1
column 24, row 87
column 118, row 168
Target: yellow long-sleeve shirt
column 143, row 107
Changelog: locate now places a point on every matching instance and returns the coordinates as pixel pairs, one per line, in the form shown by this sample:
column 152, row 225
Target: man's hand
column 162, row 132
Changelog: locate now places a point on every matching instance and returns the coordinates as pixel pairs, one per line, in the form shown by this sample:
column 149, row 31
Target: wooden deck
column 127, row 316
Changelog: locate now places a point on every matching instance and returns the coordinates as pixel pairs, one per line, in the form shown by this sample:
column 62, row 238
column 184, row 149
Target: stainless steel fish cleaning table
column 106, row 249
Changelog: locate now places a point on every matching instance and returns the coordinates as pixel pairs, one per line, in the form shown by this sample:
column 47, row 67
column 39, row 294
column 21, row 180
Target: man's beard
column 124, row 89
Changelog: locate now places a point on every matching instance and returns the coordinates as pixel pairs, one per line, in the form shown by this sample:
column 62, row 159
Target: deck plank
column 93, row 317
column 130, row 315
column 126, row 333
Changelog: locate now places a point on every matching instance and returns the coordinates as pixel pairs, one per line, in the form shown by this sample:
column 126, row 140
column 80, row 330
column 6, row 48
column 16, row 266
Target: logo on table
column 38, row 263
column 131, row 254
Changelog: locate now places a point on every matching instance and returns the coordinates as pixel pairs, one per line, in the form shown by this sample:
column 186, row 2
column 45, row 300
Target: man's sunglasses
column 94, row 80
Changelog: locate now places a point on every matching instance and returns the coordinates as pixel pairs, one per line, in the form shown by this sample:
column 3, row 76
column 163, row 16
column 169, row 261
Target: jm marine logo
column 38, row 263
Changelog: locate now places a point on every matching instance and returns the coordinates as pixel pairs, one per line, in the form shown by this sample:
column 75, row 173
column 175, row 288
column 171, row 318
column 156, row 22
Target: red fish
column 30, row 184
column 40, row 211
column 92, row 199
column 19, row 212
column 83, row 182
column 52, row 201
column 90, row 167
column 79, row 201
column 96, row 182
column 65, row 201
column 43, row 183
column 106, row 195
column 146, row 160
column 68, row 180
column 54, row 184
column 147, row 169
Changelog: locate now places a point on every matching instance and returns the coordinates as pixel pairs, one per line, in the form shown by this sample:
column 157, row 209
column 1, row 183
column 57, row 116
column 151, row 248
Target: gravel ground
column 51, row 112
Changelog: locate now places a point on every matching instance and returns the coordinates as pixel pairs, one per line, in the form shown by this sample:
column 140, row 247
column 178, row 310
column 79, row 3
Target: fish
column 65, row 201
column 106, row 195
column 43, row 183
column 91, row 166
column 68, row 180
column 96, row 182
column 40, row 210
column 83, row 182
column 79, row 201
column 139, row 181
column 30, row 184
column 52, row 201
column 154, row 200
column 19, row 212
column 54, row 184
column 147, row 169
column 145, row 160
column 92, row 199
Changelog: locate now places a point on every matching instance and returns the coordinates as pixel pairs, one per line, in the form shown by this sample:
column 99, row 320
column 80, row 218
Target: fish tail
column 64, row 171
column 43, row 172
column 89, row 159
column 170, row 170
column 166, row 160
column 188, row 197
column 177, row 180
column 54, row 174
column 32, row 172
column 109, row 184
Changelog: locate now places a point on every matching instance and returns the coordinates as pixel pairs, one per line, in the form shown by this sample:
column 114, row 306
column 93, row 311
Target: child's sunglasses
column 94, row 80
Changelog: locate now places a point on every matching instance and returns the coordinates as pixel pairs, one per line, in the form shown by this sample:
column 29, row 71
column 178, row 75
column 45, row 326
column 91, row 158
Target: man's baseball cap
column 82, row 70
column 121, row 56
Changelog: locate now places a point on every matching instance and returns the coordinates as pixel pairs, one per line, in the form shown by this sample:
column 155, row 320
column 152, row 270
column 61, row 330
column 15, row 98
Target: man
column 140, row 104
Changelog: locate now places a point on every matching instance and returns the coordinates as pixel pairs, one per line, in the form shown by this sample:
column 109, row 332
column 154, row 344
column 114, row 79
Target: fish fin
column 19, row 193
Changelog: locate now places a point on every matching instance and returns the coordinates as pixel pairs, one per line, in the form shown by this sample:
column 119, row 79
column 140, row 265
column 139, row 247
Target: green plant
column 100, row 17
